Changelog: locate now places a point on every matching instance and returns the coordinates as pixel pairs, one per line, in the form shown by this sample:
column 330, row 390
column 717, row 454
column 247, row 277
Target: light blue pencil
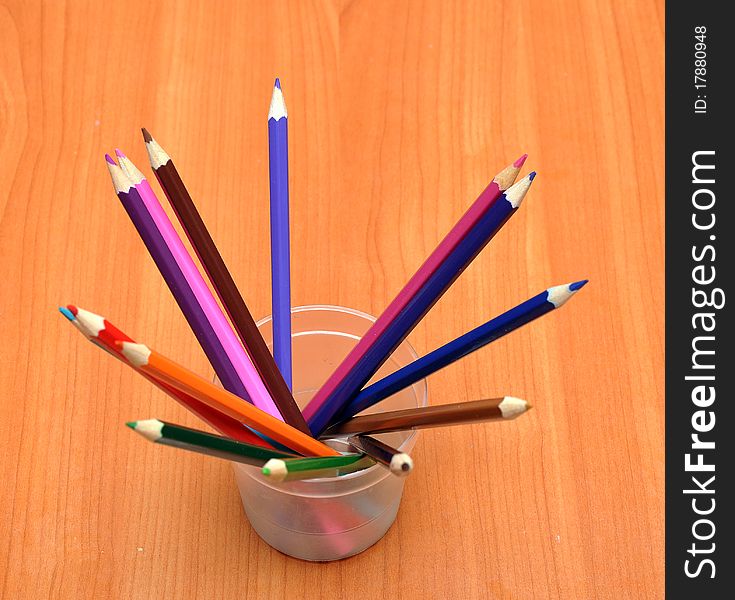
column 280, row 251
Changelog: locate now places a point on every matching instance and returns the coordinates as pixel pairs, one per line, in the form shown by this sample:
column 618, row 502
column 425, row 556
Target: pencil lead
column 110, row 160
column 517, row 192
column 266, row 471
column 519, row 163
column 278, row 83
column 147, row 137
column 72, row 309
column 119, row 153
column 67, row 313
column 277, row 110
column 132, row 424
column 578, row 285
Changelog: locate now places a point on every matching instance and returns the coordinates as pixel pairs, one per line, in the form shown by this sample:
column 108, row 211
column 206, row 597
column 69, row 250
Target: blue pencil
column 477, row 238
column 509, row 321
column 280, row 251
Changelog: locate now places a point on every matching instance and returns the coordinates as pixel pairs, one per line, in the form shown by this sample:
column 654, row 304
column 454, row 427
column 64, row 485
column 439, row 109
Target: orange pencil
column 152, row 363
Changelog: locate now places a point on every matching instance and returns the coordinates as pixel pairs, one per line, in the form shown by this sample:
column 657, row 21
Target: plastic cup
column 336, row 517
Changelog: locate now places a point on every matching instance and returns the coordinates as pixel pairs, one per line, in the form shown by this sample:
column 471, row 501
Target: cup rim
column 330, row 308
column 423, row 397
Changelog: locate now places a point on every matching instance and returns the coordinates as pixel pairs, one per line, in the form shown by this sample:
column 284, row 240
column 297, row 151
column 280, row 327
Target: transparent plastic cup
column 336, row 517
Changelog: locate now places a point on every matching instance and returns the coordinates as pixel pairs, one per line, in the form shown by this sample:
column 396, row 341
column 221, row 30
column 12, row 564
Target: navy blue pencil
column 511, row 320
column 478, row 237
column 280, row 251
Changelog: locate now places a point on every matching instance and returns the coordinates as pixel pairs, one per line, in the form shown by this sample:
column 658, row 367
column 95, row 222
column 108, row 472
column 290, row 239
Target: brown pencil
column 441, row 415
column 222, row 281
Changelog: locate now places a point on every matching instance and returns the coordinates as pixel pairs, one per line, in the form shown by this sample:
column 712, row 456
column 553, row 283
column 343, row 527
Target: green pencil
column 290, row 469
column 202, row 442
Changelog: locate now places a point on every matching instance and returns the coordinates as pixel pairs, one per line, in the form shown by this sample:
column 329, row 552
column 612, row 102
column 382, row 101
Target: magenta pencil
column 244, row 368
column 501, row 182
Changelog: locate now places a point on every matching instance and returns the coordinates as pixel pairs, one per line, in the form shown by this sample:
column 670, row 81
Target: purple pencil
column 174, row 278
column 231, row 344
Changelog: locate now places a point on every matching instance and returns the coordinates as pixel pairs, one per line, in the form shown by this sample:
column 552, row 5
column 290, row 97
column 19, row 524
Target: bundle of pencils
column 254, row 412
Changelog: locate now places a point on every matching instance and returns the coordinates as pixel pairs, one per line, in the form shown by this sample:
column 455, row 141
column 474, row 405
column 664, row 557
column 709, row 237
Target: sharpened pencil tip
column 147, row 137
column 132, row 424
column 266, row 471
column 578, row 285
column 511, row 407
column 72, row 309
column 277, row 109
column 532, row 175
column 401, row 464
column 519, row 163
column 67, row 313
column 109, row 159
column 119, row 153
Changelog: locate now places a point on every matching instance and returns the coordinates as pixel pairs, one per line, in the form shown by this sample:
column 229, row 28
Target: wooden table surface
column 399, row 114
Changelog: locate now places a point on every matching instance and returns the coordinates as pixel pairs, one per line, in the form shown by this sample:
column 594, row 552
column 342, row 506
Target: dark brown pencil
column 399, row 463
column 222, row 282
column 441, row 415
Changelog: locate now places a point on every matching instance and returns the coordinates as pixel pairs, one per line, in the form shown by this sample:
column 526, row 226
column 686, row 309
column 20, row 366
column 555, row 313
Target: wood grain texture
column 399, row 114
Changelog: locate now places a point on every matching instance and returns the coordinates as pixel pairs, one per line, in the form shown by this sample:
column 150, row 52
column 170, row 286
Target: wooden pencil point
column 516, row 193
column 512, row 407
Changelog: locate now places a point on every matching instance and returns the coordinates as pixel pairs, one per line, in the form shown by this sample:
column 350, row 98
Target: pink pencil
column 501, row 182
column 235, row 352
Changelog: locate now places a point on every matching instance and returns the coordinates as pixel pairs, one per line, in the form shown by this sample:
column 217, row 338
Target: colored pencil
column 104, row 334
column 311, row 468
column 280, row 250
column 442, row 415
column 380, row 344
column 509, row 321
column 168, row 371
column 222, row 281
column 399, row 463
column 245, row 370
column 177, row 436
column 175, row 280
